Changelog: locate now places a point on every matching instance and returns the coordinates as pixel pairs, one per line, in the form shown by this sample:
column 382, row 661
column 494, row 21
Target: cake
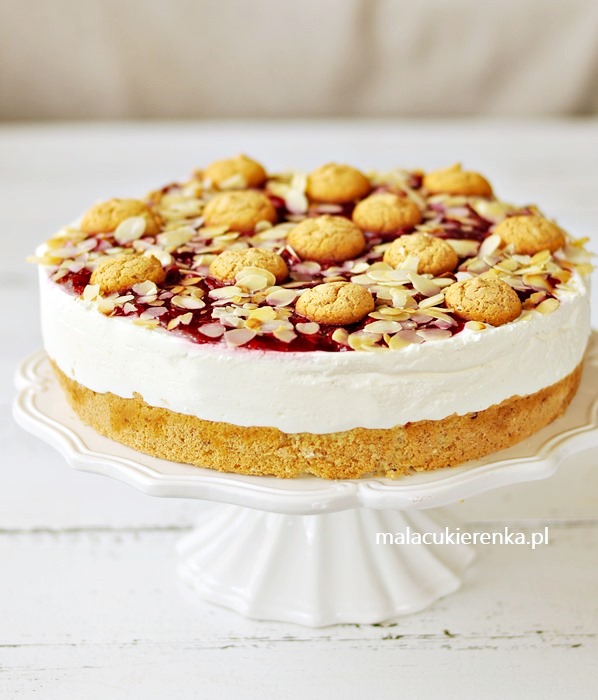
column 336, row 323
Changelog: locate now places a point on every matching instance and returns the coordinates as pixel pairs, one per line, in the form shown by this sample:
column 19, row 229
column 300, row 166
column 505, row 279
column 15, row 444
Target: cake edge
column 422, row 445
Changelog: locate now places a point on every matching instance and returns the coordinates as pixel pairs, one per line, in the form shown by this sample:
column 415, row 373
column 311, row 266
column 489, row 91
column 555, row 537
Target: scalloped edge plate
column 41, row 408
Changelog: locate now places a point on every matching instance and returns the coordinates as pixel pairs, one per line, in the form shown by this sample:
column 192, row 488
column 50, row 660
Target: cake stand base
column 305, row 550
column 325, row 569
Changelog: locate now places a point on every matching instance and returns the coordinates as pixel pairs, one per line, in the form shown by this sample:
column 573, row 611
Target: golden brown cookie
column 120, row 272
column 335, row 303
column 386, row 212
column 327, row 239
column 105, row 217
column 531, row 234
column 485, row 298
column 239, row 210
column 454, row 180
column 240, row 171
column 230, row 262
column 435, row 256
column 338, row 184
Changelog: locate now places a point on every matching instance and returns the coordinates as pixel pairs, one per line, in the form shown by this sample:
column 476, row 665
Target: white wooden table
column 90, row 604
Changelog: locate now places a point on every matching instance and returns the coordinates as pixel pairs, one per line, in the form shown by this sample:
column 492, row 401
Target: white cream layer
column 315, row 392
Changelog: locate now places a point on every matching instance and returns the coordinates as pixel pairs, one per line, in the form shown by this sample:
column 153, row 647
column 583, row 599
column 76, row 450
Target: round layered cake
column 336, row 323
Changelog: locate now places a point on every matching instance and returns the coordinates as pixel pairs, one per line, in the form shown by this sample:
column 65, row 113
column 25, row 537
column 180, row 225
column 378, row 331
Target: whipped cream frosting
column 315, row 392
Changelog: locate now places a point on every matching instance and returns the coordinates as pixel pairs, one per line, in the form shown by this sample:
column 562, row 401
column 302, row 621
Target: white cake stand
column 305, row 550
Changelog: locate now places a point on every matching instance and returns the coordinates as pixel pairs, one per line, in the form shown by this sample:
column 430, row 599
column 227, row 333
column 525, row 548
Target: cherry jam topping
column 468, row 225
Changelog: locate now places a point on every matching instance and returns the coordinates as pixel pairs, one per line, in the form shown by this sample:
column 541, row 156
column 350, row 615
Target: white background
column 90, row 604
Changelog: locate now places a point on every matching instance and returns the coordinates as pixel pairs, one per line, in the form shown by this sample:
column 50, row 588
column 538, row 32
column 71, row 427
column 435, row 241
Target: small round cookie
column 326, row 239
column 337, row 184
column 435, row 255
column 249, row 172
column 105, row 217
column 240, row 210
column 230, row 262
column 120, row 272
column 485, row 298
column 530, row 234
column 385, row 213
column 335, row 303
column 455, row 180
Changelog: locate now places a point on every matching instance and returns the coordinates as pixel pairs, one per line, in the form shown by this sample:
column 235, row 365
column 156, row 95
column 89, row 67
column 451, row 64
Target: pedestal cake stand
column 308, row 550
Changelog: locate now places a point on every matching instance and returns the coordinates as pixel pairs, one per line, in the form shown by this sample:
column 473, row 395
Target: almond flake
column 431, row 301
column 59, row 274
column 548, row 306
column 281, row 297
column 329, row 209
column 262, row 226
column 562, row 276
column 149, row 324
column 537, row 297
column 308, row 328
column 226, row 292
column 522, row 259
column 541, row 257
column 360, row 267
column 478, row 266
column 259, row 271
column 341, row 336
column 364, row 341
column 397, row 343
column 176, row 237
column 284, row 334
column 153, row 312
column 431, row 334
column 399, row 298
column 410, row 263
column 492, row 210
column 489, row 245
column 190, row 280
column 385, row 313
column 537, row 282
column 441, row 315
column 584, row 269
column 187, row 302
column 424, row 286
column 410, row 337
column 212, row 330
column 90, row 292
column 475, row 325
column 124, row 299
column 264, row 313
column 306, row 270
column 164, row 258
column 130, row 229
column 145, row 289
column 383, row 327
column 209, row 232
column 238, row 337
column 421, row 317
column 105, row 306
column 508, row 265
column 255, row 282
column 464, row 247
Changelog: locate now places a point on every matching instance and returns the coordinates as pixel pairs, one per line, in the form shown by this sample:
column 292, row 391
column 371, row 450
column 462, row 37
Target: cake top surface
column 334, row 260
